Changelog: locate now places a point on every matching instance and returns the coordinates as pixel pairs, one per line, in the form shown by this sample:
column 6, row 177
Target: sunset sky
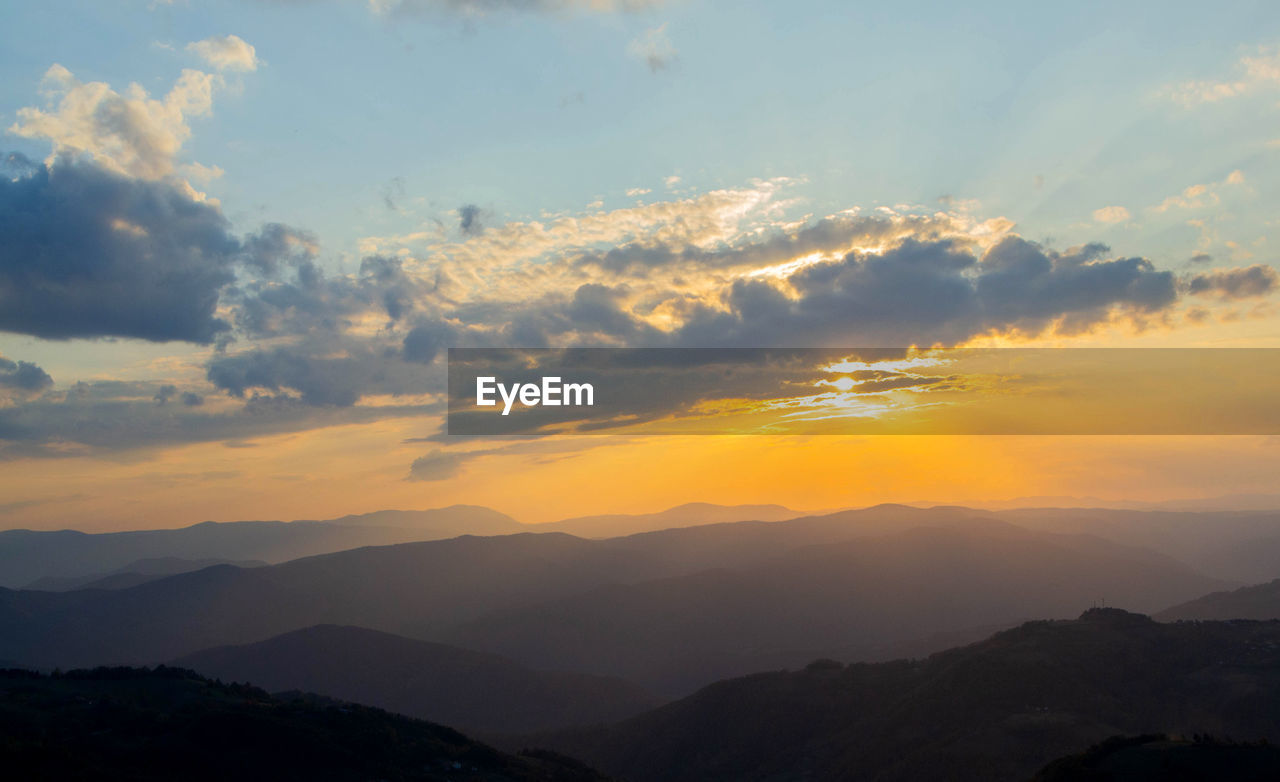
column 240, row 236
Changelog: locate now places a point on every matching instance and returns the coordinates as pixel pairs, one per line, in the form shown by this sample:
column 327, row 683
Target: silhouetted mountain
column 999, row 709
column 134, row 573
column 446, row 522
column 140, row 725
column 1159, row 758
column 470, row 690
column 27, row 555
column 677, row 608
column 691, row 514
column 853, row 599
column 1254, row 602
column 1238, row 546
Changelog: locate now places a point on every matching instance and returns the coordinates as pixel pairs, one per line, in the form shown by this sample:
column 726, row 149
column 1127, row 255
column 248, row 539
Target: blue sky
column 282, row 211
column 525, row 112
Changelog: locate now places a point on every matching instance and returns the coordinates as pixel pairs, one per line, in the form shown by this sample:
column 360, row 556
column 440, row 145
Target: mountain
column 1158, row 758
column 692, row 514
column 1238, row 546
column 445, row 522
column 849, row 599
column 999, row 709
column 164, row 724
column 477, row 692
column 670, row 610
column 132, row 574
column 27, row 555
column 1254, row 602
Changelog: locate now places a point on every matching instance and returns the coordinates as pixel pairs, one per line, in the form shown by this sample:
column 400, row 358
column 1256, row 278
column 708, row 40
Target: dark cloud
column 929, row 292
column 439, row 466
column 85, row 252
column 469, row 220
column 1242, row 283
column 425, row 341
column 831, row 234
column 111, row 417
column 23, row 376
column 311, row 303
column 89, row 253
column 323, row 373
column 1201, row 258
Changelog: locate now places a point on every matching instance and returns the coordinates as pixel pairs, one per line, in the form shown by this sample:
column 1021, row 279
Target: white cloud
column 486, row 7
column 130, row 132
column 1262, row 70
column 226, row 53
column 1111, row 214
column 654, row 47
column 1200, row 195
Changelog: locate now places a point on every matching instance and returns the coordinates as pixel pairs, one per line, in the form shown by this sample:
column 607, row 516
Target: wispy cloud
column 1255, row 72
column 654, row 47
column 226, row 53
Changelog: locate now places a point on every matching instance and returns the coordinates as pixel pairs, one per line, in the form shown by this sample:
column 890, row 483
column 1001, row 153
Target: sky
column 240, row 236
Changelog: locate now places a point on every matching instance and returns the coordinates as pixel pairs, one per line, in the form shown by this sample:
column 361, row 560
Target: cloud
column 654, row 48
column 87, row 252
column 129, row 133
column 469, row 220
column 1111, row 214
column 1241, row 283
column 22, row 379
column 1256, row 72
column 926, row 292
column 477, row 8
column 226, row 53
column 442, row 465
column 324, row 372
column 1199, row 196
column 111, row 417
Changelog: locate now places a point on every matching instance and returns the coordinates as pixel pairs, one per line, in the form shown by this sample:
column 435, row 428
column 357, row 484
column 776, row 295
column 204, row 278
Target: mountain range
column 998, row 709
column 670, row 610
column 476, row 692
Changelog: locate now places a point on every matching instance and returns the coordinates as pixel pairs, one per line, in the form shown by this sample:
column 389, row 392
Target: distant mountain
column 999, row 709
column 853, row 599
column 134, row 573
column 690, row 514
column 671, row 610
column 446, row 522
column 27, row 555
column 477, row 692
column 1159, row 758
column 1254, row 602
column 140, row 725
column 1239, row 546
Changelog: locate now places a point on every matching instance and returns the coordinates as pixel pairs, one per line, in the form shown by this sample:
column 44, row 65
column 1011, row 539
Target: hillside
column 27, row 555
column 672, row 610
column 999, row 709
column 1240, row 546
column 860, row 599
column 1157, row 758
column 1254, row 602
column 133, row 574
column 690, row 514
column 164, row 724
column 480, row 693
